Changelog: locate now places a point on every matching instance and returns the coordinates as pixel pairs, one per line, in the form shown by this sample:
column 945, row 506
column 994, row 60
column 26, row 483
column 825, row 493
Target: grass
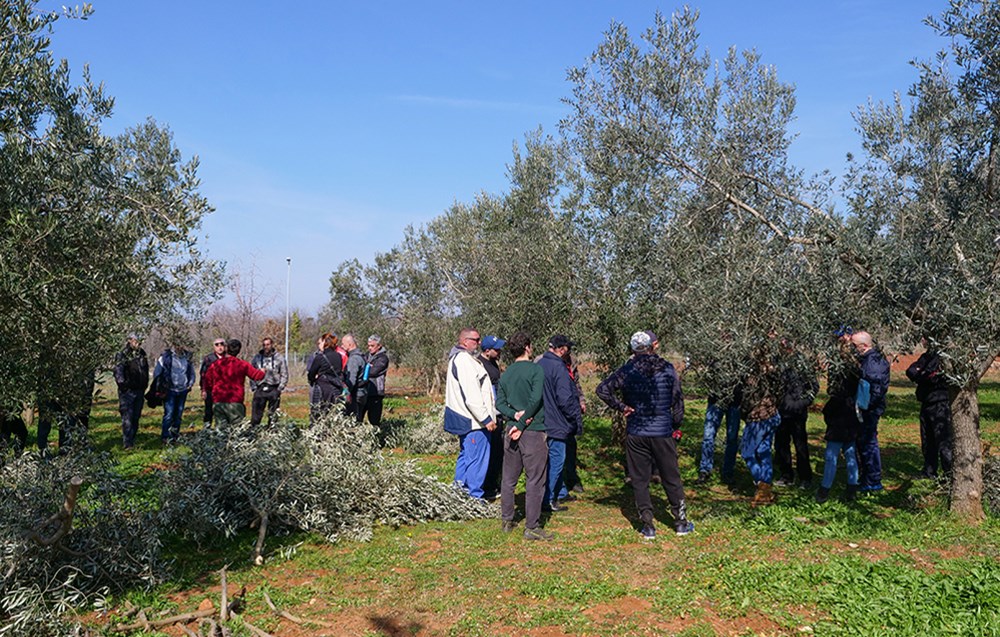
column 892, row 564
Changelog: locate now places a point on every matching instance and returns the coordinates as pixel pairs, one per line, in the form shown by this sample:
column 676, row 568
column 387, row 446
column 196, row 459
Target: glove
column 676, row 435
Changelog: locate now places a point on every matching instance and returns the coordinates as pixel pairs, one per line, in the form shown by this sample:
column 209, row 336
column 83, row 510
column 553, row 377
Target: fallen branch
column 187, row 631
column 294, row 618
column 166, row 621
column 255, row 630
column 63, row 516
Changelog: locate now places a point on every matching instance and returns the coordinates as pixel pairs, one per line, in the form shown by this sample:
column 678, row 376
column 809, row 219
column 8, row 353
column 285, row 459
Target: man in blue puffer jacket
column 562, row 417
column 875, row 370
column 653, row 405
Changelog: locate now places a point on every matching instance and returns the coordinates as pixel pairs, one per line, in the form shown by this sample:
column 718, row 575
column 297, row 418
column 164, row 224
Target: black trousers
column 792, row 430
column 570, row 477
column 373, row 408
column 209, row 412
column 935, row 435
column 130, row 408
column 262, row 401
column 494, row 470
column 10, row 424
column 641, row 455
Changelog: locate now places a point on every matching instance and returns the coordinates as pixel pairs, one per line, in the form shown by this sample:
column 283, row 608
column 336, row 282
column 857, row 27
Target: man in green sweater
column 519, row 398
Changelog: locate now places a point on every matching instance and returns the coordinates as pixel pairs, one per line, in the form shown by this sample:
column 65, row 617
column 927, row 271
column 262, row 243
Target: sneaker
column 684, row 527
column 554, row 506
column 822, row 495
column 537, row 534
column 871, row 488
column 507, row 526
column 806, row 485
column 785, row 482
column 569, row 497
column 648, row 531
column 577, row 488
column 702, row 477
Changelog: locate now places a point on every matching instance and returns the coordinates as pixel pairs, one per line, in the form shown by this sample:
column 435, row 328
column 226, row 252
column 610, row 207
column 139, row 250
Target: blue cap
column 492, row 342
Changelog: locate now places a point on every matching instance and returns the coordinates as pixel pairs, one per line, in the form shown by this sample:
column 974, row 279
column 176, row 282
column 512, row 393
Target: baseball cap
column 492, row 342
column 640, row 341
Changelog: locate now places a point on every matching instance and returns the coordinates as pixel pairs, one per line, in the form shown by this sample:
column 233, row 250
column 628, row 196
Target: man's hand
column 204, row 394
column 518, row 414
column 677, row 434
column 628, row 411
column 491, row 425
column 515, row 433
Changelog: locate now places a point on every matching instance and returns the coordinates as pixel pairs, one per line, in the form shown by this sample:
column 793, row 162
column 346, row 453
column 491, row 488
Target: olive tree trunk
column 966, row 497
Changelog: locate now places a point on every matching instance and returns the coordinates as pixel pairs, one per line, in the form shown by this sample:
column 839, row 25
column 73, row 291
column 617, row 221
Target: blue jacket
column 875, row 369
column 649, row 385
column 562, row 404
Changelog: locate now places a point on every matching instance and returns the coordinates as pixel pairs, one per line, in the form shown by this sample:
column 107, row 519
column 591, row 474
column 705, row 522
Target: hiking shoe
column 507, row 526
column 684, row 527
column 822, row 495
column 578, row 488
column 537, row 534
column 554, row 506
column 569, row 497
column 648, row 531
column 763, row 495
column 702, row 477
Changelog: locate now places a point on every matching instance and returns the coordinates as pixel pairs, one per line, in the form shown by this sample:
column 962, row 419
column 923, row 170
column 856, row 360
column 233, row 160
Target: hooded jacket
column 562, row 404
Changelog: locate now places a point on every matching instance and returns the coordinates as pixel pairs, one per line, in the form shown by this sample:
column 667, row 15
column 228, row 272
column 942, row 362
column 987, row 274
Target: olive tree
column 926, row 210
column 99, row 232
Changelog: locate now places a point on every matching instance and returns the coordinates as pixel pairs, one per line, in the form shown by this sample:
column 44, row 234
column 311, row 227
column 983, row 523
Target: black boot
column 822, row 495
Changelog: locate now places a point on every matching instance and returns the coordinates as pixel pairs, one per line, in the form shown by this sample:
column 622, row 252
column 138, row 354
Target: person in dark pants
column 326, row 378
column 356, row 398
column 562, row 416
column 489, row 356
column 218, row 351
column 132, row 377
column 571, row 477
column 13, row 424
column 875, row 371
column 653, row 406
column 520, row 397
column 375, row 371
column 799, row 388
column 267, row 393
column 935, row 412
column 841, row 418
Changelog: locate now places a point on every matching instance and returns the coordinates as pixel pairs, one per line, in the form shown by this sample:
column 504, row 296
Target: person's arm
column 677, row 401
column 253, row 372
column 609, row 388
column 471, row 376
column 282, row 373
column 503, row 402
column 569, row 402
column 313, row 369
column 119, row 372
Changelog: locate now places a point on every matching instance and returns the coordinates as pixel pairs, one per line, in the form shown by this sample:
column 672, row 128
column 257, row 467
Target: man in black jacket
column 375, row 371
column 132, row 376
column 562, row 416
column 935, row 411
column 799, row 388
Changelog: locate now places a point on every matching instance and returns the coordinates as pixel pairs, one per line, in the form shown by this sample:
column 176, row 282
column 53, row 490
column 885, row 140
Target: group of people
column 532, row 412
column 222, row 380
column 339, row 373
column 857, row 384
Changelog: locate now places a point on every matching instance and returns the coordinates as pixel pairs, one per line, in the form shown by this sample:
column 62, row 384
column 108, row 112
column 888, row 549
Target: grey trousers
column 529, row 453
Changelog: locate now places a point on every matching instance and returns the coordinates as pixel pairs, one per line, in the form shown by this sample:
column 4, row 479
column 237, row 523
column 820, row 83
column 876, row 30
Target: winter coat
column 798, row 392
column 132, row 370
column 875, row 369
column 468, row 395
column 180, row 375
column 649, row 385
column 325, row 368
column 562, row 403
column 932, row 387
column 378, row 366
column 354, row 371
column 838, row 413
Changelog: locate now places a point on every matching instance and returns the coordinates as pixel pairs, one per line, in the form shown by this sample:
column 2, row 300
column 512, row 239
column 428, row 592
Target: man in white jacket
column 469, row 412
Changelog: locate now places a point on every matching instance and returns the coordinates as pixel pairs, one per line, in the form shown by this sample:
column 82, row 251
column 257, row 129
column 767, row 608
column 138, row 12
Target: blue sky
column 324, row 128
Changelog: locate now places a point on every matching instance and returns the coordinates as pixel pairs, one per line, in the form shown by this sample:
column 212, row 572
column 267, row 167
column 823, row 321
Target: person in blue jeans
column 875, row 370
column 760, row 406
column 177, row 370
column 842, row 423
column 562, row 417
column 730, row 408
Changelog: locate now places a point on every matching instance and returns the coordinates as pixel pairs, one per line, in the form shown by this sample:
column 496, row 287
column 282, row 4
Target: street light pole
column 288, row 287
